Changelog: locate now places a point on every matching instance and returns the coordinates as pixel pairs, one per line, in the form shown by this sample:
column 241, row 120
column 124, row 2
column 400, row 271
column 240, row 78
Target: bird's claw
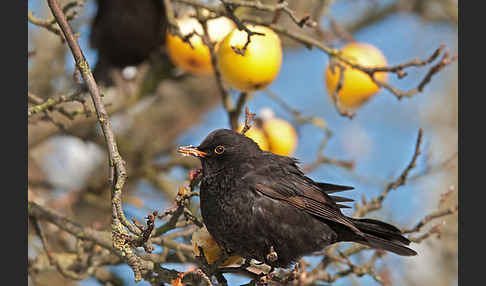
column 272, row 255
column 265, row 277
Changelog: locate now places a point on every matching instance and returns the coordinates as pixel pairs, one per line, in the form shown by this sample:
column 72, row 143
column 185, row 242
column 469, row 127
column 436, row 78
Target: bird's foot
column 265, row 277
column 272, row 255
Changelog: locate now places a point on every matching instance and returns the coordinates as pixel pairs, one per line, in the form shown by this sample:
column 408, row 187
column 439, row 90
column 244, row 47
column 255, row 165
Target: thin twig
column 375, row 203
column 335, row 94
column 248, row 119
column 430, row 217
column 118, row 173
column 236, row 111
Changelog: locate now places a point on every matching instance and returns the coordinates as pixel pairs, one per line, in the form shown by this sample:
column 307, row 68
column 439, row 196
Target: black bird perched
column 125, row 33
column 260, row 205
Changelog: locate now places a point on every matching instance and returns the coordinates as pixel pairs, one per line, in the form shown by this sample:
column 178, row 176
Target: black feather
column 343, row 206
column 380, row 229
column 341, row 199
column 332, row 188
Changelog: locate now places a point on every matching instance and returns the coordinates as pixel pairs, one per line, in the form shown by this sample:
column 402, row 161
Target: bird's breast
column 226, row 210
column 223, row 197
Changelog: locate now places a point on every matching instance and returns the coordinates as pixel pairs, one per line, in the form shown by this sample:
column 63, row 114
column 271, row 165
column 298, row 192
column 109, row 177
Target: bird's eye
column 219, row 149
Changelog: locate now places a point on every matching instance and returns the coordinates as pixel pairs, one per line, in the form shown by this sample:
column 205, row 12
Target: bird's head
column 221, row 147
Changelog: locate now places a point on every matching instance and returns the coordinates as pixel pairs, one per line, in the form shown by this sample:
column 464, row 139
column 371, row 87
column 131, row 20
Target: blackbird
column 126, row 33
column 261, row 206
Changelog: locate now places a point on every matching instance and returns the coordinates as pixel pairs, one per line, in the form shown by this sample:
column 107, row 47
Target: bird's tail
column 381, row 235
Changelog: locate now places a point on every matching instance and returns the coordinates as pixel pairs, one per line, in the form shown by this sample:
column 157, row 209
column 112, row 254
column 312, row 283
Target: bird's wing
column 321, row 208
column 292, row 166
column 295, row 188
